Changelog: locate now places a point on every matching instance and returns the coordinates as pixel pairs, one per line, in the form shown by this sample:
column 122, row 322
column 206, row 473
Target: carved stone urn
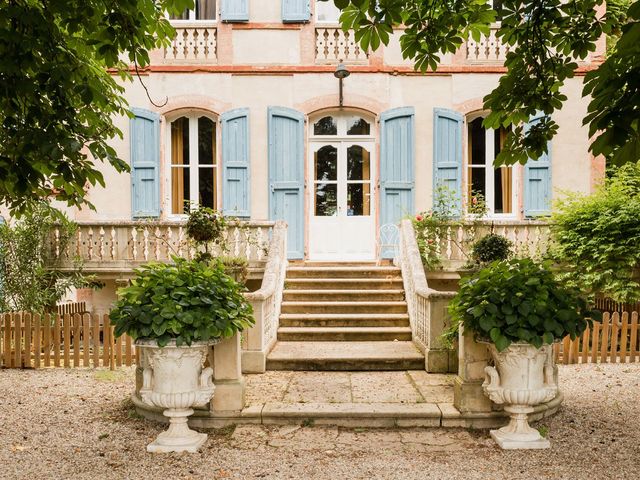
column 173, row 379
column 522, row 378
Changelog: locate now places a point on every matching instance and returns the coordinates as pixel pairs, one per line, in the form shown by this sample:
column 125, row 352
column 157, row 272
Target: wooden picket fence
column 70, row 340
column 72, row 307
column 614, row 340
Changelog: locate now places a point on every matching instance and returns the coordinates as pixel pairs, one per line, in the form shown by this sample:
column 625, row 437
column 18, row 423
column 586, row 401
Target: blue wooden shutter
column 145, row 164
column 447, row 154
column 235, row 163
column 396, row 167
column 286, row 174
column 234, row 11
column 537, row 181
column 295, row 11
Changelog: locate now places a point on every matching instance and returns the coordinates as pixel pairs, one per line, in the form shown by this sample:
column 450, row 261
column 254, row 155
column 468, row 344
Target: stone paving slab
column 377, row 399
column 391, row 387
column 319, row 387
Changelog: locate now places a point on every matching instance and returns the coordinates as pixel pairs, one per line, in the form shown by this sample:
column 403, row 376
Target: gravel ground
column 64, row 424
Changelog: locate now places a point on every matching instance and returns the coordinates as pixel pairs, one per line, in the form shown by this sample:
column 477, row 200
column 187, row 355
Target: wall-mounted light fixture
column 341, row 73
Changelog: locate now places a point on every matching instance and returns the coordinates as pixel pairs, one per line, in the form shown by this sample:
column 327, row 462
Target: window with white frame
column 193, row 178
column 327, row 12
column 495, row 185
column 204, row 10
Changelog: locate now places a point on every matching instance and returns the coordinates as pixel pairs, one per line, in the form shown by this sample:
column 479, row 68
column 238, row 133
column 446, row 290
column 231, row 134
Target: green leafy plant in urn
column 519, row 309
column 175, row 312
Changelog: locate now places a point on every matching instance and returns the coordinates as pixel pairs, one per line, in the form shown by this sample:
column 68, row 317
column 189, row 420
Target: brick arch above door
column 201, row 102
column 352, row 101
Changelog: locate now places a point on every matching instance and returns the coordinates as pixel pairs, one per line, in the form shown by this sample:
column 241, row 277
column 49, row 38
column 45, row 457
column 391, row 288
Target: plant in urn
column 519, row 309
column 175, row 312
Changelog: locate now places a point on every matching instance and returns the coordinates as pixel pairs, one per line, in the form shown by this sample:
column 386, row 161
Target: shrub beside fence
column 69, row 340
column 615, row 339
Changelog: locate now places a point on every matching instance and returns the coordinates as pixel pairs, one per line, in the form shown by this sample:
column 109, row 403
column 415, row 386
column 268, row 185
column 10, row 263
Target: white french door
column 342, row 204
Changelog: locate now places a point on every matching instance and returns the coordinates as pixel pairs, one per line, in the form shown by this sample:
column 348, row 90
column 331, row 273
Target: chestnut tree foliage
column 547, row 38
column 61, row 66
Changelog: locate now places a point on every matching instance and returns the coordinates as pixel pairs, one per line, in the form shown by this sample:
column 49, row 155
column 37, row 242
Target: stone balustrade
column 260, row 338
column 195, row 42
column 489, row 49
column 116, row 247
column 427, row 307
column 334, row 45
column 529, row 238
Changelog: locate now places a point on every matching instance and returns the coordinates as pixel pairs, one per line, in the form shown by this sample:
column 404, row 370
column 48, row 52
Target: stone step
column 343, row 295
column 343, row 272
column 344, row 307
column 343, row 334
column 344, row 320
column 320, row 263
column 344, row 283
column 354, row 356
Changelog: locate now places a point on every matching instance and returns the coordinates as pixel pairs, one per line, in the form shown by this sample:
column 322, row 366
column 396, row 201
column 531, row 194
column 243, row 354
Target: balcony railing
column 334, row 45
column 530, row 239
column 489, row 49
column 194, row 43
column 118, row 247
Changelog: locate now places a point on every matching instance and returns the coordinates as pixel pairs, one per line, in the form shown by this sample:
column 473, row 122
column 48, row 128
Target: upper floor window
column 495, row 185
column 193, row 163
column 327, row 12
column 204, row 10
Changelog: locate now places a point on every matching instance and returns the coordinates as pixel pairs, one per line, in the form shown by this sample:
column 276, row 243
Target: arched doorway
column 341, row 173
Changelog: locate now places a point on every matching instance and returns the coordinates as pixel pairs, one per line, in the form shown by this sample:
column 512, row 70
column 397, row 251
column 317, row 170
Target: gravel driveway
column 64, row 424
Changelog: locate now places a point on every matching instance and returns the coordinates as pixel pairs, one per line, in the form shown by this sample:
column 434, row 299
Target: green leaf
column 502, row 343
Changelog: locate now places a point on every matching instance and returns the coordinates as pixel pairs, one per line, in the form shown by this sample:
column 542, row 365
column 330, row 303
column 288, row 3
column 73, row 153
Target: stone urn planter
column 522, row 378
column 174, row 379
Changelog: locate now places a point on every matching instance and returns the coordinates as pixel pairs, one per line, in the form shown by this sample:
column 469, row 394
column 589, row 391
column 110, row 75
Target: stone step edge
column 344, row 329
column 328, row 268
column 395, row 303
column 348, row 316
column 345, row 279
column 385, row 415
column 343, row 292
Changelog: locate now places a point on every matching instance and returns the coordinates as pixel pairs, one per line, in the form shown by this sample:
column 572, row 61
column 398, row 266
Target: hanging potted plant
column 174, row 312
column 519, row 309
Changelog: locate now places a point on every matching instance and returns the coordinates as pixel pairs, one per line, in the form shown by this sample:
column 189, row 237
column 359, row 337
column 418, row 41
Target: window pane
column 183, row 16
column 358, row 199
column 326, row 11
column 325, row 126
column 358, row 165
column 326, row 163
column 357, row 126
column 206, row 141
column 478, row 181
column 503, row 190
column 180, row 141
column 477, row 142
column 326, row 199
column 206, row 187
column 179, row 190
column 205, row 9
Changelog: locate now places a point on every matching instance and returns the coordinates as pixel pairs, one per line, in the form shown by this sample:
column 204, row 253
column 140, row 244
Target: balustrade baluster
column 134, row 243
column 101, row 243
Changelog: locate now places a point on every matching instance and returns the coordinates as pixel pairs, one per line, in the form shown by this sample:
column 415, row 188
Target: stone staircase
column 344, row 317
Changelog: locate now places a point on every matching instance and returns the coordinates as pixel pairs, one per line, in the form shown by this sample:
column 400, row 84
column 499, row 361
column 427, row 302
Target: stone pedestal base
column 518, row 434
column 469, row 397
column 179, row 437
column 441, row 361
column 229, row 397
column 505, row 442
column 254, row 361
